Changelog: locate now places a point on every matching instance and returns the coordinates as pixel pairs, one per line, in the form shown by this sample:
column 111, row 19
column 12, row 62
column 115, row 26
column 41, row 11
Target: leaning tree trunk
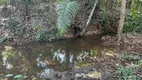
column 122, row 18
column 90, row 17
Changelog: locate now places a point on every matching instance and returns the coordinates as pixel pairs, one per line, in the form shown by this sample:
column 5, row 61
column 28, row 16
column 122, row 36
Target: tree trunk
column 90, row 17
column 122, row 18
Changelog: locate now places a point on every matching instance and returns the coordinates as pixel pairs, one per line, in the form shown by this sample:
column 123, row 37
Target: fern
column 66, row 11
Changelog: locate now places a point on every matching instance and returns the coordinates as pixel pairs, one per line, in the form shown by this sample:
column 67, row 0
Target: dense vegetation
column 24, row 24
column 47, row 20
column 29, row 21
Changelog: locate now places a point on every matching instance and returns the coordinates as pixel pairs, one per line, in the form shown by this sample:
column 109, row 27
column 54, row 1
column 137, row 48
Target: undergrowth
column 129, row 56
column 133, row 22
column 129, row 71
column 47, row 35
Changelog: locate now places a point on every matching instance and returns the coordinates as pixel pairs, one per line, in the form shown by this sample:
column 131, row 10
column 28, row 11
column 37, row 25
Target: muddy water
column 36, row 59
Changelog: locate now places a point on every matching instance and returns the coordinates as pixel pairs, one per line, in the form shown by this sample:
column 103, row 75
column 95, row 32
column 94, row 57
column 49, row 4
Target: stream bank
column 87, row 58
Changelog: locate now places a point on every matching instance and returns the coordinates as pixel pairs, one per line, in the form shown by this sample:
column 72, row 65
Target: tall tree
column 122, row 18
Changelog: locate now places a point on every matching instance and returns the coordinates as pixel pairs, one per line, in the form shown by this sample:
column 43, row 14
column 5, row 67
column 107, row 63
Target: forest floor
column 127, row 63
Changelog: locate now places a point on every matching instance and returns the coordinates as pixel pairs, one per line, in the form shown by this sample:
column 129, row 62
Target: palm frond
column 67, row 10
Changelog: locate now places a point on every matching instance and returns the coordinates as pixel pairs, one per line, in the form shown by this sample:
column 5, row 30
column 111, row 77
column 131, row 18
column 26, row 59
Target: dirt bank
column 131, row 42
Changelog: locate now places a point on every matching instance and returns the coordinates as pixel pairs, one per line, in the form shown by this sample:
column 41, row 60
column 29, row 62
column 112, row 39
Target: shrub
column 47, row 35
column 133, row 22
column 128, row 72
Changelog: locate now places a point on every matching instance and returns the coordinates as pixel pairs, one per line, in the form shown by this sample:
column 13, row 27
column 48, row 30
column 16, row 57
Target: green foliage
column 128, row 72
column 2, row 38
column 17, row 77
column 67, row 10
column 136, row 5
column 44, row 35
column 93, row 53
column 3, row 2
column 133, row 22
column 10, row 54
column 140, row 62
column 130, row 57
column 9, row 75
column 59, row 1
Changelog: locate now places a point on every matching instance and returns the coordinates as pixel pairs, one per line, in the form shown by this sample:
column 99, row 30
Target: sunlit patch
column 83, row 65
column 94, row 75
column 7, row 47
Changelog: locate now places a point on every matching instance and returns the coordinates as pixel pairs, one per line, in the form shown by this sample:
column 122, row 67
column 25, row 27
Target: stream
column 41, row 59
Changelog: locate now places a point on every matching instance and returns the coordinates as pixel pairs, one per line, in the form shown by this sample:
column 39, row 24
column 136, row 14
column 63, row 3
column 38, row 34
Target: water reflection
column 7, row 55
column 14, row 62
column 71, row 58
column 59, row 55
column 82, row 56
column 45, row 60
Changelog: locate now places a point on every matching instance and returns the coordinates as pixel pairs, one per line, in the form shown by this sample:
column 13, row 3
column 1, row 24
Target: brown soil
column 131, row 42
